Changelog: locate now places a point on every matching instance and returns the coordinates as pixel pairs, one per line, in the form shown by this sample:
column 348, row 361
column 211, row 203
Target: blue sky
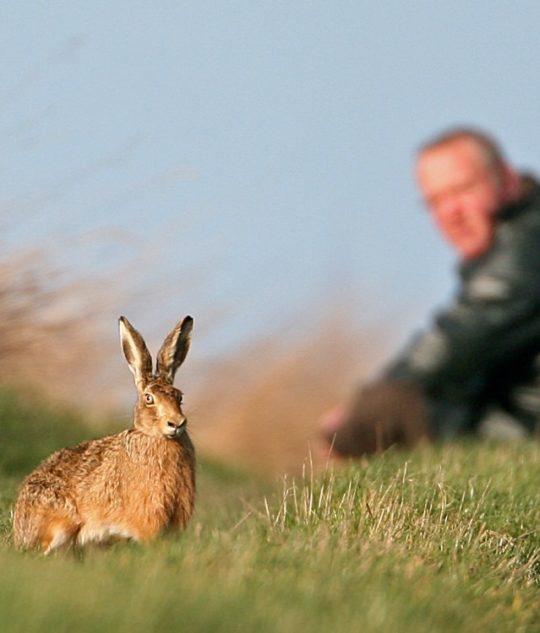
column 257, row 154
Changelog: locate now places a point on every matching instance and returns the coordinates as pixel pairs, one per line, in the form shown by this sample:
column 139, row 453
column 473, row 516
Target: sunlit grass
column 442, row 539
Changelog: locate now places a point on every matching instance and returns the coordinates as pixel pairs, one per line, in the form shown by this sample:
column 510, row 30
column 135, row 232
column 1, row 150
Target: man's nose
column 449, row 206
column 450, row 212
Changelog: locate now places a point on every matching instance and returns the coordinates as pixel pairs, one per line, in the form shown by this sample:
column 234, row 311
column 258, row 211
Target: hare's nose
column 177, row 427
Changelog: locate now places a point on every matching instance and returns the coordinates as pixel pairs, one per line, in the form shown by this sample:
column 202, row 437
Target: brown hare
column 131, row 485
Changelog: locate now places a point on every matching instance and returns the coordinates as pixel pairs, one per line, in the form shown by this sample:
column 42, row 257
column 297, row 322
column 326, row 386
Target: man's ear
column 512, row 184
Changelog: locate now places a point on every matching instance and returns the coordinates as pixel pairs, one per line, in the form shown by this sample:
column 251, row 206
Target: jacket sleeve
column 495, row 315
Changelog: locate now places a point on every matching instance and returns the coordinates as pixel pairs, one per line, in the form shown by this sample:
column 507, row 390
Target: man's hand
column 382, row 414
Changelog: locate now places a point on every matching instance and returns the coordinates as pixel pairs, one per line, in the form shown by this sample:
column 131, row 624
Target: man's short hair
column 487, row 144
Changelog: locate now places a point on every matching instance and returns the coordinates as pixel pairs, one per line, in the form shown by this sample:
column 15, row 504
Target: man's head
column 465, row 181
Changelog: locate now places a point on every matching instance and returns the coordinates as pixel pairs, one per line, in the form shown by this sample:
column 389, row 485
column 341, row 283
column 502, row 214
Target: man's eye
column 148, row 398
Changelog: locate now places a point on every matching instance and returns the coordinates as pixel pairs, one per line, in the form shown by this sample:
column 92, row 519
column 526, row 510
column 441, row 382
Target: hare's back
column 76, row 462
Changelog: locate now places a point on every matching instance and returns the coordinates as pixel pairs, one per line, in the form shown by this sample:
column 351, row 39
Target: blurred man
column 477, row 368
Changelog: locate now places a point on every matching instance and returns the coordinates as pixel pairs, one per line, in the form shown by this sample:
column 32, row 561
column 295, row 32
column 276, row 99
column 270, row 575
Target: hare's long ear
column 136, row 353
column 174, row 350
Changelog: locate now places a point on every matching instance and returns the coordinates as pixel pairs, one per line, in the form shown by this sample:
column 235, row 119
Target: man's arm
column 496, row 314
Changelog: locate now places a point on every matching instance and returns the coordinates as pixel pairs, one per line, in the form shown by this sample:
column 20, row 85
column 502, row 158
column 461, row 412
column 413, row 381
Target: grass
column 442, row 539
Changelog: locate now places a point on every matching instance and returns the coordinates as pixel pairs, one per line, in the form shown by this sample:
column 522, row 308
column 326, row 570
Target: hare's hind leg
column 58, row 532
column 43, row 529
column 44, row 517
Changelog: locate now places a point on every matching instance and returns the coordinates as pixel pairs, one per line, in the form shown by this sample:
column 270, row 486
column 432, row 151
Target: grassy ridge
column 444, row 539
column 32, row 429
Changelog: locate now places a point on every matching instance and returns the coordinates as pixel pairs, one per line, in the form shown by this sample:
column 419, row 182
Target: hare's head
column 158, row 411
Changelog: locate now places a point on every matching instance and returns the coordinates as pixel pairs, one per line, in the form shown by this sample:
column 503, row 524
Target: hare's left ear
column 136, row 353
column 174, row 350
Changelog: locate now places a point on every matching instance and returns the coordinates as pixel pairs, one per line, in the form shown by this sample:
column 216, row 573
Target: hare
column 131, row 485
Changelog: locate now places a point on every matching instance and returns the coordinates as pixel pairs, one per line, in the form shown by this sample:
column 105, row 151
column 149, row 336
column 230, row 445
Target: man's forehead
column 453, row 161
column 462, row 150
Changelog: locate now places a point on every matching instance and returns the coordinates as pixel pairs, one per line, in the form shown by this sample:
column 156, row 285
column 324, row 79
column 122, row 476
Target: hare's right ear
column 136, row 353
column 174, row 350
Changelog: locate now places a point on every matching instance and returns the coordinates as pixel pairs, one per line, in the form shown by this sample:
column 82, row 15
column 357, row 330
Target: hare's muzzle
column 175, row 429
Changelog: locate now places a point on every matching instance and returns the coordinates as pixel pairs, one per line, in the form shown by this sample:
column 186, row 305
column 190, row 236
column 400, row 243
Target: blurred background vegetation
column 250, row 167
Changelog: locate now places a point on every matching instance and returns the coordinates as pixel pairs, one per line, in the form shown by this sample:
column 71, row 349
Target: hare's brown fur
column 131, row 485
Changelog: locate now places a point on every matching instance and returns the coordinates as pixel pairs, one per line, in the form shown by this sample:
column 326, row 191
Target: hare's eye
column 149, row 399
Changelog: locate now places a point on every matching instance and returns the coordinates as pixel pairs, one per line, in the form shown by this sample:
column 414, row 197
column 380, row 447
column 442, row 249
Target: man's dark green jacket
column 492, row 328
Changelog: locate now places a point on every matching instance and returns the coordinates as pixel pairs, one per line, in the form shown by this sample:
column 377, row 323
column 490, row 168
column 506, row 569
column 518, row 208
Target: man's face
column 463, row 193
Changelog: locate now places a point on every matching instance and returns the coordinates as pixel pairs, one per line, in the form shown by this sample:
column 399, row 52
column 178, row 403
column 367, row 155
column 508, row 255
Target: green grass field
column 442, row 539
